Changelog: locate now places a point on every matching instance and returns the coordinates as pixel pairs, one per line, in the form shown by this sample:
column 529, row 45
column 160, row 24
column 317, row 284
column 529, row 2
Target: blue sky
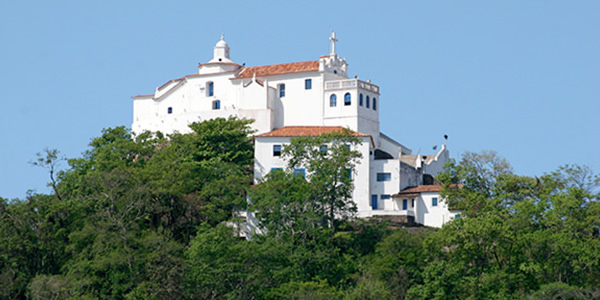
column 518, row 77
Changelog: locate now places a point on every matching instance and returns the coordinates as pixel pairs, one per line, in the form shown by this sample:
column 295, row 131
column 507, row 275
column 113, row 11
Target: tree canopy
column 149, row 216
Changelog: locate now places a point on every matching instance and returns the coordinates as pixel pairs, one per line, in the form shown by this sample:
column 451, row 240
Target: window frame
column 210, row 89
column 434, row 201
column 300, row 172
column 169, row 110
column 216, row 104
column 347, row 99
column 277, row 150
column 384, row 176
column 333, row 100
column 308, row 84
column 281, row 90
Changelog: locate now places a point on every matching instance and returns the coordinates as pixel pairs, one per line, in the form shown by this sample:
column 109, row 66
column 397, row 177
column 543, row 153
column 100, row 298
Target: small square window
column 434, row 201
column 170, row 110
column 299, row 173
column 385, row 197
column 384, row 176
column 308, row 84
column 276, row 169
column 276, row 150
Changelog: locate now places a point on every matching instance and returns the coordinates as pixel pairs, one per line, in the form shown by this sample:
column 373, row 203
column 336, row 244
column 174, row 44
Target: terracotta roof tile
column 422, row 189
column 414, row 191
column 307, row 131
column 262, row 71
column 293, row 131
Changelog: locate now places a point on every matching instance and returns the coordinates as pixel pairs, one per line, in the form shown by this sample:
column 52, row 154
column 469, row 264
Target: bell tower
column 221, row 52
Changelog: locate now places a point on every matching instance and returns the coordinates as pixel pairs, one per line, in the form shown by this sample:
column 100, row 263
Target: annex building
column 304, row 99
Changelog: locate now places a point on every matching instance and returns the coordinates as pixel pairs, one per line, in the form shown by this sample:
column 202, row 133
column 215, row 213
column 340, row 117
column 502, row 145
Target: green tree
column 329, row 160
column 519, row 232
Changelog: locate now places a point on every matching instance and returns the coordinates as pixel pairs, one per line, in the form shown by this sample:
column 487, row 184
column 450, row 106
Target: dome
column 221, row 43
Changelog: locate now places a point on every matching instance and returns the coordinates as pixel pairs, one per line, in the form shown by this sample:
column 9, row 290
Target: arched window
column 367, row 102
column 360, row 100
column 281, row 90
column 210, row 89
column 333, row 100
column 374, row 103
column 216, row 105
column 347, row 99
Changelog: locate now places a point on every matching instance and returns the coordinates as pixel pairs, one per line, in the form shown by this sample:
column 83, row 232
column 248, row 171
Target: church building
column 304, row 99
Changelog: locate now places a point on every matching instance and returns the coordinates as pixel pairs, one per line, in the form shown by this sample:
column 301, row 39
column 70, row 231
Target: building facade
column 290, row 100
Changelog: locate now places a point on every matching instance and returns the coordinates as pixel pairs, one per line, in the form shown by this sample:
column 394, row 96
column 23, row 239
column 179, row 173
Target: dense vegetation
column 150, row 217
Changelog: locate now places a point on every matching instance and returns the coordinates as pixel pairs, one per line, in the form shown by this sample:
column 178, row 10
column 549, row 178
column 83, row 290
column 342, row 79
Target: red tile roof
column 307, row 131
column 422, row 189
column 414, row 191
column 293, row 131
column 263, row 71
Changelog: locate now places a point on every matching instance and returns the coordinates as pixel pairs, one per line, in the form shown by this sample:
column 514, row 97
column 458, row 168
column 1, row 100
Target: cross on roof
column 333, row 40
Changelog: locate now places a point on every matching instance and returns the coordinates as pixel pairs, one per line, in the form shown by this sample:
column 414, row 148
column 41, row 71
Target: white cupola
column 221, row 52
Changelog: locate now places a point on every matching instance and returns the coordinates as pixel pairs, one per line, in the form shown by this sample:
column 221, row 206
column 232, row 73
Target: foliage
column 282, row 200
column 149, row 217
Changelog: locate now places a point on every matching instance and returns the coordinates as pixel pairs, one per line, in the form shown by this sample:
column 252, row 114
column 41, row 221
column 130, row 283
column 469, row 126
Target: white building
column 296, row 99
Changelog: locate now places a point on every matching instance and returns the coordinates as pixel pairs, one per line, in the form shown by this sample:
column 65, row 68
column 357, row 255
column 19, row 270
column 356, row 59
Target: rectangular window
column 374, row 201
column 385, row 197
column 308, row 84
column 276, row 150
column 210, row 89
column 169, row 110
column 412, row 203
column 300, row 173
column 434, row 201
column 404, row 204
column 281, row 90
column 384, row 176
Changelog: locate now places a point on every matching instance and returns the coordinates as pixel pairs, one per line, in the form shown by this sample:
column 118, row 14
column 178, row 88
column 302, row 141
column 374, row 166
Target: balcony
column 350, row 83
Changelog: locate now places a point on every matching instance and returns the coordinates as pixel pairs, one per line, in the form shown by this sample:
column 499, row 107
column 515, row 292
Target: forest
column 151, row 216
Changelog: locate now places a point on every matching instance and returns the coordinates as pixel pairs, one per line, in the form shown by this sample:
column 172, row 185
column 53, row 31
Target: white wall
column 433, row 216
column 379, row 188
column 264, row 161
